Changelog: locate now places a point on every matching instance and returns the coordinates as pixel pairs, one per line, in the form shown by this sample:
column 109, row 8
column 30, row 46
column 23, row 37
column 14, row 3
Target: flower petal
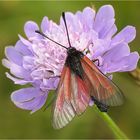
column 28, row 63
column 117, row 53
column 72, row 23
column 126, row 35
column 103, row 16
column 131, row 61
column 45, row 24
column 25, row 42
column 29, row 98
column 15, row 69
column 88, row 15
column 99, row 47
column 111, row 32
column 17, row 80
column 25, row 94
column 106, row 29
column 49, row 84
column 13, row 55
column 6, row 63
column 23, row 49
column 30, row 28
column 86, row 19
column 126, row 63
column 40, row 102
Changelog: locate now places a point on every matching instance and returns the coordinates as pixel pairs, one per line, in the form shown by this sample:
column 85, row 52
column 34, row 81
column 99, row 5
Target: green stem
column 112, row 125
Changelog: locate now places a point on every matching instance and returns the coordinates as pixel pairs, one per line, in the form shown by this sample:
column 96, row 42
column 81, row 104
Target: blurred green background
column 17, row 123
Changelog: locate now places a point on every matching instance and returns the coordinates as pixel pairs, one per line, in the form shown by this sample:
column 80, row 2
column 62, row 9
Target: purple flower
column 38, row 62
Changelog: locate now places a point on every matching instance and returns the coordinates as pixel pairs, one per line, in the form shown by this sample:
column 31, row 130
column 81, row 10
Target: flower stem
column 112, row 125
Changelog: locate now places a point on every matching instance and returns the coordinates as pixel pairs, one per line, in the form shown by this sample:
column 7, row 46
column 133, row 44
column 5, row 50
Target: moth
column 81, row 81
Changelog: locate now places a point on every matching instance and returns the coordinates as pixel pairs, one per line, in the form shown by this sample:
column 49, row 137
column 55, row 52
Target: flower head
column 38, row 61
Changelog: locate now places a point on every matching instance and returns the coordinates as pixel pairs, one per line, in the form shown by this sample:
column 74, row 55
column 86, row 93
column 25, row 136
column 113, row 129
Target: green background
column 17, row 123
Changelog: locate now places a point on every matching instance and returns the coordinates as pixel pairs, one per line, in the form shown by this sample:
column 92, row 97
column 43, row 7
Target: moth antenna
column 50, row 39
column 63, row 16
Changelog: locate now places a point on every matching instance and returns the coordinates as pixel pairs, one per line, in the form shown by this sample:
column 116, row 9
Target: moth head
column 71, row 50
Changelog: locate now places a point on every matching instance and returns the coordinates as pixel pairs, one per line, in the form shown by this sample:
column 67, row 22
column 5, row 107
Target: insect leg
column 97, row 61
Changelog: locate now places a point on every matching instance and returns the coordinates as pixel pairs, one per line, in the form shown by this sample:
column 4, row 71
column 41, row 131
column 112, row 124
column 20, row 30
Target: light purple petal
column 28, row 63
column 56, row 82
column 23, row 49
column 106, row 29
column 18, row 71
column 6, row 63
column 86, row 19
column 126, row 35
column 79, row 16
column 13, row 55
column 25, row 94
column 99, row 47
column 111, row 67
column 131, row 61
column 45, row 25
column 25, row 42
column 40, row 103
column 72, row 22
column 17, row 80
column 127, row 63
column 83, row 27
column 89, row 15
column 111, row 32
column 29, row 98
column 117, row 53
column 103, row 16
column 50, row 84
column 30, row 28
column 115, row 59
column 34, row 104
